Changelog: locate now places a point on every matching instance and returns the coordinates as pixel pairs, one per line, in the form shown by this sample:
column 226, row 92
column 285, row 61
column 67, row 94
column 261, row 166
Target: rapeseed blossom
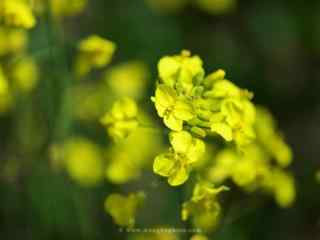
column 25, row 74
column 203, row 207
column 175, row 164
column 128, row 79
column 83, row 161
column 261, row 165
column 123, row 209
column 12, row 41
column 17, row 13
column 186, row 99
column 217, row 7
column 94, row 53
column 122, row 119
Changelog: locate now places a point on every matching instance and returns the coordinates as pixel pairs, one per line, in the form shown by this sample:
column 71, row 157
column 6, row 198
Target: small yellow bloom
column 128, row 79
column 62, row 8
column 83, row 161
column 94, row 53
column 175, row 164
column 217, row 7
column 5, row 95
column 203, row 207
column 122, row 119
column 16, row 13
column 25, row 74
column 12, row 41
column 123, row 209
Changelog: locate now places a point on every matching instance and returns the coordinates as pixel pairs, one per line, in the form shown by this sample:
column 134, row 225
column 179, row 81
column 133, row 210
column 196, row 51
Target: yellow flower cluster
column 17, row 13
column 185, row 98
column 261, row 165
column 192, row 104
column 94, row 53
column 19, row 73
column 82, row 159
column 122, row 119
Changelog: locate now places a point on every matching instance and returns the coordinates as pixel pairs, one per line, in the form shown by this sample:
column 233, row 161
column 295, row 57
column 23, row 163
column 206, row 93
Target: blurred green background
column 270, row 47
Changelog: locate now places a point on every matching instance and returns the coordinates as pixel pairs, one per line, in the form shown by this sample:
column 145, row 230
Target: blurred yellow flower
column 271, row 139
column 83, row 161
column 62, row 8
column 25, row 74
column 123, row 209
column 128, row 79
column 94, row 52
column 5, row 94
column 17, row 13
column 199, row 237
column 12, row 41
column 136, row 152
column 122, row 119
column 203, row 207
column 217, row 7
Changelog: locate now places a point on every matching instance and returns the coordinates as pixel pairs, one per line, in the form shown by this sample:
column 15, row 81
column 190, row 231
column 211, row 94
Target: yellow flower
column 122, row 119
column 123, row 209
column 128, row 79
column 12, row 41
column 94, row 53
column 217, row 7
column 5, row 95
column 175, row 164
column 269, row 136
column 174, row 111
column 199, row 237
column 83, row 161
column 61, row 8
column 284, row 188
column 16, row 13
column 203, row 207
column 25, row 74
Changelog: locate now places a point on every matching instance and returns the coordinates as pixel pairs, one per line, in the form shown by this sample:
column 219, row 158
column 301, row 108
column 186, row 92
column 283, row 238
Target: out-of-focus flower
column 83, row 161
column 175, row 164
column 217, row 7
column 123, row 209
column 199, row 237
column 63, row 8
column 128, row 79
column 94, row 52
column 282, row 184
column 261, row 165
column 162, row 233
column 271, row 139
column 122, row 119
column 135, row 153
column 203, row 207
column 25, row 74
column 5, row 95
column 17, row 13
column 12, row 41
